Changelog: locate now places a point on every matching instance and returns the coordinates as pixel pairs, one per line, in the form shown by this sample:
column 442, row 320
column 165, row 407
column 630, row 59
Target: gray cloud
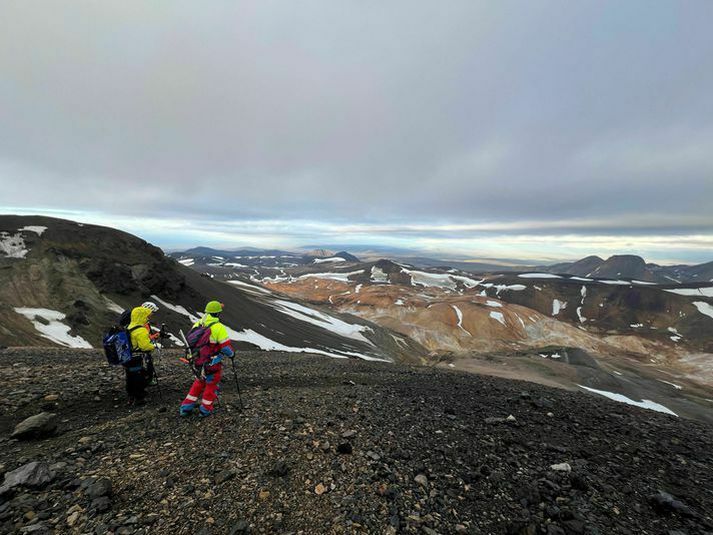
column 362, row 112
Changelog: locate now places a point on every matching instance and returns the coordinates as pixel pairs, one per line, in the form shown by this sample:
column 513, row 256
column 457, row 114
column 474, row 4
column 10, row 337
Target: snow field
column 54, row 330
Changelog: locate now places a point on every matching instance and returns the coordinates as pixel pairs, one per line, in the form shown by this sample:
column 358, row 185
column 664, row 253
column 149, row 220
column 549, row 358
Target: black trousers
column 136, row 378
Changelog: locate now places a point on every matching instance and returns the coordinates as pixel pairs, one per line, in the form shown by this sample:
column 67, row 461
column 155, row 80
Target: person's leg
column 210, row 393
column 193, row 394
column 135, row 380
column 150, row 371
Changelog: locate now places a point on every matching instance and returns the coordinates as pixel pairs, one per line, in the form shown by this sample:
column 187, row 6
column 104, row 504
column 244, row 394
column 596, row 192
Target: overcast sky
column 529, row 129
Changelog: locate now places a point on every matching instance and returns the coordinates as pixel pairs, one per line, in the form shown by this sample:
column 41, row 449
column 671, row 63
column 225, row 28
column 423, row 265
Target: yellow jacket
column 140, row 340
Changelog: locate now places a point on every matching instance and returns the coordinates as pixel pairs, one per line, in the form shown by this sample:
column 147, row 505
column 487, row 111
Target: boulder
column 34, row 474
column 40, row 425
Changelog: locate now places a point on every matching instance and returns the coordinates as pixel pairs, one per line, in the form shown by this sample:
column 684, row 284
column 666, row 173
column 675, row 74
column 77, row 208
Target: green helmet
column 214, row 307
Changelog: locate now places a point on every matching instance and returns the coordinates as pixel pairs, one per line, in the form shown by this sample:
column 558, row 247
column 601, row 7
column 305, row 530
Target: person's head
column 150, row 305
column 214, row 308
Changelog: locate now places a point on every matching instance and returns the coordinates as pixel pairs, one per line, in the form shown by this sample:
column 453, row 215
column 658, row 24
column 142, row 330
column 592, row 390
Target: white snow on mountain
column 704, row 308
column 492, row 303
column 266, row 344
column 327, row 260
column 677, row 387
column 176, row 308
column 111, row 305
column 341, row 277
column 37, row 229
column 378, row 275
column 249, row 287
column 322, row 320
column 54, row 330
column 459, row 315
column 616, row 282
column 697, row 292
column 439, row 280
column 645, row 404
column 558, row 305
column 538, row 276
column 12, row 245
column 186, row 261
column 498, row 316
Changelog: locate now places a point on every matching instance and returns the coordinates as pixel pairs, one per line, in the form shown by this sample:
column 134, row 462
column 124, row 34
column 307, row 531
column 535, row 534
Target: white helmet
column 151, row 306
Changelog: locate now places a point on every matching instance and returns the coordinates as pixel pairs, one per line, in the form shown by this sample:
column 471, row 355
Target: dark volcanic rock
column 34, row 474
column 411, row 470
column 38, row 426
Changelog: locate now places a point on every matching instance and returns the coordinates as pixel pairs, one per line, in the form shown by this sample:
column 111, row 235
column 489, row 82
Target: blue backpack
column 117, row 345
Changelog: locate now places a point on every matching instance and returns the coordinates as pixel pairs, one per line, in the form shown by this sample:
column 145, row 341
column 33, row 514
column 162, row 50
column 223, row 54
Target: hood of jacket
column 139, row 316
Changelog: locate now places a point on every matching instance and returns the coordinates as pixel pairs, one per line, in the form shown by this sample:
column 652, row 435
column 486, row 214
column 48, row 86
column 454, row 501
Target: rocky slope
column 336, row 446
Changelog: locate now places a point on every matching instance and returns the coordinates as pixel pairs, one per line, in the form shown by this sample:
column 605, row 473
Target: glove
column 216, row 360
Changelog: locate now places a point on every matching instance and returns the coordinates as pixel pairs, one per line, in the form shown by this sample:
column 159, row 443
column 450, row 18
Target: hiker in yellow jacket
column 141, row 348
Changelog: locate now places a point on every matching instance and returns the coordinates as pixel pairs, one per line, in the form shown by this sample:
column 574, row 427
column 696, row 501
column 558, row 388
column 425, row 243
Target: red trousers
column 208, row 388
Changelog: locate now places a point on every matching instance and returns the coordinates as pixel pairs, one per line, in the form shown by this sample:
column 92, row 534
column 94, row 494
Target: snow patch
column 704, row 308
column 33, row 228
column 697, row 292
column 498, row 316
column 677, row 387
column 582, row 319
column 249, row 286
column 12, row 246
column 322, row 320
column 257, row 339
column 538, row 276
column 459, row 316
column 493, row 304
column 341, row 277
column 111, row 305
column 558, row 305
column 378, row 275
column 186, row 261
column 644, row 404
column 55, row 330
column 176, row 308
column 331, row 259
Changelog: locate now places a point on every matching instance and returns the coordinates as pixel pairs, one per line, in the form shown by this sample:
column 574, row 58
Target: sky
column 544, row 130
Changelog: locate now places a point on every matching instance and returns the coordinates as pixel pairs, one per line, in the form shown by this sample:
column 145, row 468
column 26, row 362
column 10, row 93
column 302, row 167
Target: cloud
column 484, row 119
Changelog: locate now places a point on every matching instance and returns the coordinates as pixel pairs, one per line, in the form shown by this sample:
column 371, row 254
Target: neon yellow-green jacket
column 140, row 340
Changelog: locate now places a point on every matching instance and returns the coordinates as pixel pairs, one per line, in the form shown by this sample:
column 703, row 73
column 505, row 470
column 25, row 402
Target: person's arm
column 141, row 340
column 225, row 349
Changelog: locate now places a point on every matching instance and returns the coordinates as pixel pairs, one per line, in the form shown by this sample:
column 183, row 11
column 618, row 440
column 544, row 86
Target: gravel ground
column 343, row 446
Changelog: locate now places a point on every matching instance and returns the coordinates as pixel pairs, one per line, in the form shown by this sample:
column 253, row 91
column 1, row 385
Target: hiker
column 137, row 377
column 208, row 375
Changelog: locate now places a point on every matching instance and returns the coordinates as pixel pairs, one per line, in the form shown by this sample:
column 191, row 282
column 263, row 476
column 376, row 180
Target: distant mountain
column 632, row 267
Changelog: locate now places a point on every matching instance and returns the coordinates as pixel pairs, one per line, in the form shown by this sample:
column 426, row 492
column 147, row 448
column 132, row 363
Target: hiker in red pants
column 212, row 339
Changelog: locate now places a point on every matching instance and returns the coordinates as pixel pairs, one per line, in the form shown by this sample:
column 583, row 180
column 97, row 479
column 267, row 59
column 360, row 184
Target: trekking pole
column 158, row 383
column 235, row 374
